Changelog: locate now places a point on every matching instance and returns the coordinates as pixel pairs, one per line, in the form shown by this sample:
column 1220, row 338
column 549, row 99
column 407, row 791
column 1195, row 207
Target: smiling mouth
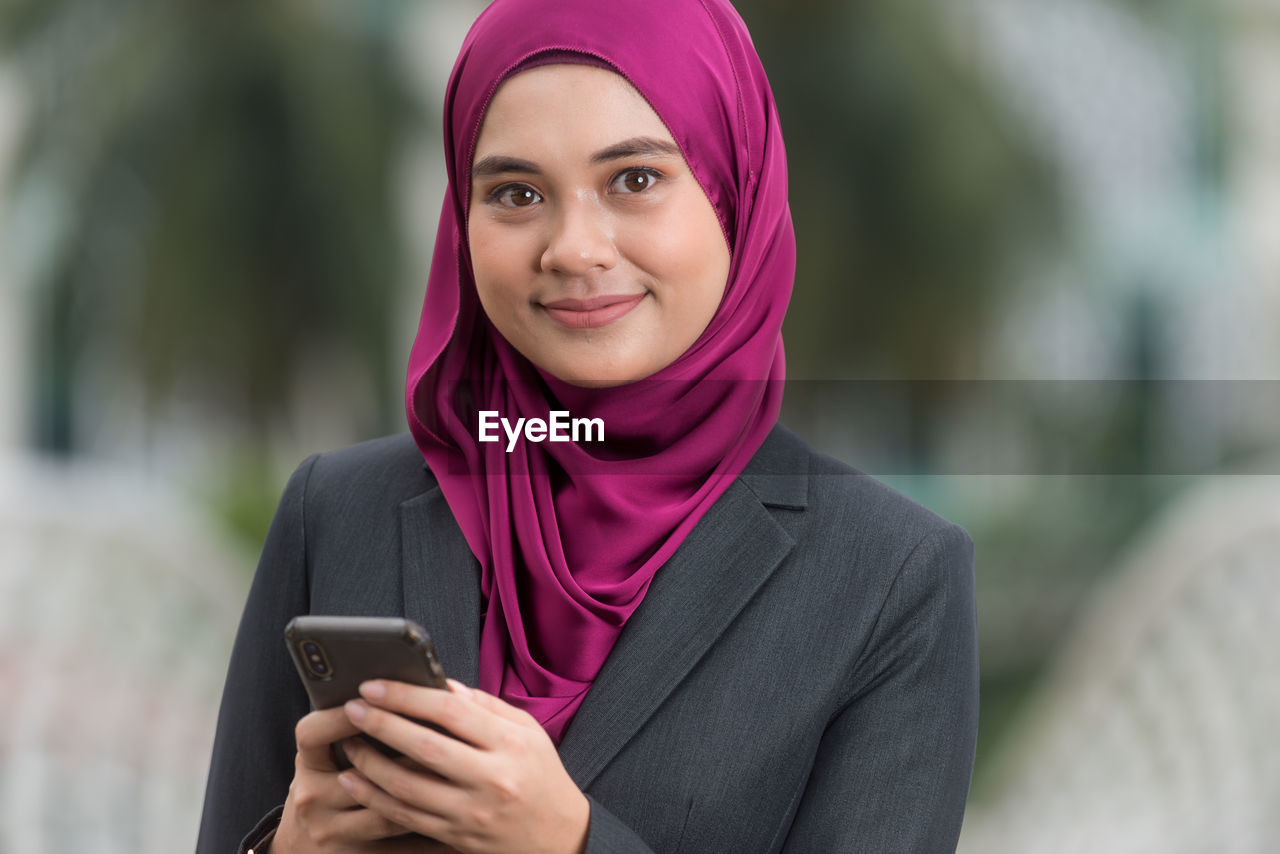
column 591, row 313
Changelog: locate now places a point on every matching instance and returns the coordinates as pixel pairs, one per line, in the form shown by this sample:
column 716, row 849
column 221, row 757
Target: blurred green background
column 1037, row 279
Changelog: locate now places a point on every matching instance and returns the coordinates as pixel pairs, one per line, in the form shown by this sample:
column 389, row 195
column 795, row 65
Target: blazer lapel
column 692, row 600
column 441, row 583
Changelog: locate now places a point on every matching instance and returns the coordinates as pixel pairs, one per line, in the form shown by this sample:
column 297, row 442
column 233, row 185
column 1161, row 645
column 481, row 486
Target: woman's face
column 596, row 253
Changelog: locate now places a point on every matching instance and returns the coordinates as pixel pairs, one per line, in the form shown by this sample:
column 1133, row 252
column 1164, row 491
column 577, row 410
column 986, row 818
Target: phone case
column 334, row 655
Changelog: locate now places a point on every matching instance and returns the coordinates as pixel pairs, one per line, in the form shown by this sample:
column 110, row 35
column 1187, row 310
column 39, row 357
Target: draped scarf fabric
column 570, row 535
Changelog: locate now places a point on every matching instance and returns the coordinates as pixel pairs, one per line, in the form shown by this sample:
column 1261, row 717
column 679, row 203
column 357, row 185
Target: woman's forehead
column 555, row 105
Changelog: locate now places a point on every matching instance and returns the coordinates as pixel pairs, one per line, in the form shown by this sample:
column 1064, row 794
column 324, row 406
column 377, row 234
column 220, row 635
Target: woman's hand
column 498, row 787
column 320, row 817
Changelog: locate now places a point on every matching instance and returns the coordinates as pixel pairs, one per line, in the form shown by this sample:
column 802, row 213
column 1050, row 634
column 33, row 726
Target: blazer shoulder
column 378, row 472
column 849, row 499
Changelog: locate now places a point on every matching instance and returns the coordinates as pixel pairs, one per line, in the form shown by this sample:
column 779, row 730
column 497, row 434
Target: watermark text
column 559, row 426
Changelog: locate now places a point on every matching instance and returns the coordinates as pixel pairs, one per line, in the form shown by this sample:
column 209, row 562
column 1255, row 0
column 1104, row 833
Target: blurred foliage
column 243, row 497
column 914, row 193
column 220, row 177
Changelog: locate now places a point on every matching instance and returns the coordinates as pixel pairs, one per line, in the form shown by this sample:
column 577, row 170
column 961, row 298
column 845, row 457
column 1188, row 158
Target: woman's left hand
column 498, row 787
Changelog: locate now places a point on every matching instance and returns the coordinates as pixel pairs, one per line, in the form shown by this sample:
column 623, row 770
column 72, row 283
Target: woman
column 689, row 634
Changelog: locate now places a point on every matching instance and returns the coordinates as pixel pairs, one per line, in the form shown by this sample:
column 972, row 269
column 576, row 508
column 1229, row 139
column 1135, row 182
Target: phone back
column 334, row 655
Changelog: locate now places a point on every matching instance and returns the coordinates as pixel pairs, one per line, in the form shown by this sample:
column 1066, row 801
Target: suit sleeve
column 892, row 771
column 254, row 747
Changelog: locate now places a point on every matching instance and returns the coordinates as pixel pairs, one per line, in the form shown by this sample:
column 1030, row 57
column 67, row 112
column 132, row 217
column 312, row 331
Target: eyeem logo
column 559, row 427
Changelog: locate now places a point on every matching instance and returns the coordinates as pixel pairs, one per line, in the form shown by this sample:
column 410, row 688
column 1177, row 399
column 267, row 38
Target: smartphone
column 334, row 655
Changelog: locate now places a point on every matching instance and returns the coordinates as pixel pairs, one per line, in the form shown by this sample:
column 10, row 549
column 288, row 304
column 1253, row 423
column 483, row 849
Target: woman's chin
column 595, row 381
column 597, row 377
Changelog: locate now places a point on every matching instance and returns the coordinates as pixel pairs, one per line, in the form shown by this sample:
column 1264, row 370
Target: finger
column 319, row 807
column 318, row 791
column 433, row 751
column 500, row 707
column 316, row 731
column 407, row 781
column 455, row 711
column 391, row 809
column 362, row 824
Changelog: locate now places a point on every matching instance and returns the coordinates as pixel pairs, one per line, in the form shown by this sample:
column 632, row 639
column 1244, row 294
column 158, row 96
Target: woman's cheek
column 691, row 240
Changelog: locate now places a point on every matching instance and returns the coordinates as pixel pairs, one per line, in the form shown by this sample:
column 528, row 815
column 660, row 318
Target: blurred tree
column 914, row 194
column 220, row 177
column 912, row 189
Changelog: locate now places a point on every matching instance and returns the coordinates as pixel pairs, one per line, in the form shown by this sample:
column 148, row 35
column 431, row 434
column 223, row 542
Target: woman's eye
column 515, row 196
column 635, row 180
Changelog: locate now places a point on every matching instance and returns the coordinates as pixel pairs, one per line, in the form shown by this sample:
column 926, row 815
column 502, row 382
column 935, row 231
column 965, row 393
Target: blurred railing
column 1159, row 729
column 116, row 613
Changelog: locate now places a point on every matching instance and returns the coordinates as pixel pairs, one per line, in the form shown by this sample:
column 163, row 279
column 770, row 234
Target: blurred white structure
column 117, row 610
column 1158, row 729
column 116, row 616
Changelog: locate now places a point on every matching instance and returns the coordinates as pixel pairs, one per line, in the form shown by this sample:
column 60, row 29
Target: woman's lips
column 591, row 313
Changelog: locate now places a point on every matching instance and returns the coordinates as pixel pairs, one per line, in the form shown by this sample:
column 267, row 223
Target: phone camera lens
column 314, row 656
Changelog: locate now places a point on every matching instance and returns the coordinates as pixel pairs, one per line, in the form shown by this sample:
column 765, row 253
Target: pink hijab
column 570, row 535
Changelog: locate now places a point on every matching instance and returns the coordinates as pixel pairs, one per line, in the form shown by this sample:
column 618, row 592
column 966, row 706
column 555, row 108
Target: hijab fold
column 570, row 535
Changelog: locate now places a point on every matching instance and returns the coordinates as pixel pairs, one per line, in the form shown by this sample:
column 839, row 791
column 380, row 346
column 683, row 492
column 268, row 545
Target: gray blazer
column 801, row 676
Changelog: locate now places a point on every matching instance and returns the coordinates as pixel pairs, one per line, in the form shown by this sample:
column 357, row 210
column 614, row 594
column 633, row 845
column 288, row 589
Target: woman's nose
column 581, row 240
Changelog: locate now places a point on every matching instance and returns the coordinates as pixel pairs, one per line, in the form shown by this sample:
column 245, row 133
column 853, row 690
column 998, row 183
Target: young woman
column 690, row 633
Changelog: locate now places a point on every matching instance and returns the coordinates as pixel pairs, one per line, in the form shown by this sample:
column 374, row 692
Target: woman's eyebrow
column 497, row 164
column 636, row 146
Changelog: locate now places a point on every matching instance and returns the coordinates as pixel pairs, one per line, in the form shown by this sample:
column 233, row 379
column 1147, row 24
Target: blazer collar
column 441, row 582
column 694, row 597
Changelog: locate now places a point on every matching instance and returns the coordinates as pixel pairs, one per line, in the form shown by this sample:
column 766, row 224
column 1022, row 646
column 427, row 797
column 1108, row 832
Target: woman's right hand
column 320, row 817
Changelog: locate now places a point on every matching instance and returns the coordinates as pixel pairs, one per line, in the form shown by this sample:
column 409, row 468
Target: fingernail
column 348, row 782
column 355, row 710
column 459, row 688
column 373, row 690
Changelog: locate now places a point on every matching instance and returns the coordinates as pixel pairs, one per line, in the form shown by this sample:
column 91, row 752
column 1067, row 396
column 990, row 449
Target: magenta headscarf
column 569, row 536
